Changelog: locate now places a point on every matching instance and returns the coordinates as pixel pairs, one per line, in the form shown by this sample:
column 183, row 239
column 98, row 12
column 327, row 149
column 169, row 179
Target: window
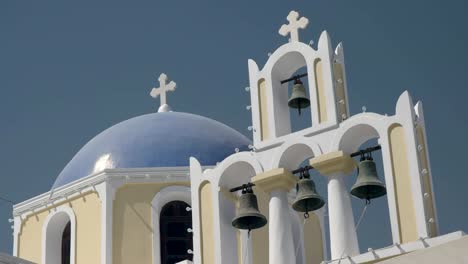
column 66, row 239
column 175, row 239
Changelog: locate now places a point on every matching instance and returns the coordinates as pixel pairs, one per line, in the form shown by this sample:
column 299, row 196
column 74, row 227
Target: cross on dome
column 161, row 91
column 294, row 25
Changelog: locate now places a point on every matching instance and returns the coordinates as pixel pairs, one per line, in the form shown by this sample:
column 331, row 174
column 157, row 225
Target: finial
column 293, row 27
column 161, row 91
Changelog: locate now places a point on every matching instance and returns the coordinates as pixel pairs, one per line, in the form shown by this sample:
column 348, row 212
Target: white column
column 106, row 193
column 16, row 231
column 343, row 238
column 280, row 235
column 277, row 183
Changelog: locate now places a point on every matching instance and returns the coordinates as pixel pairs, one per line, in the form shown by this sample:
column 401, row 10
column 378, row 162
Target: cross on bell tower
column 294, row 25
column 161, row 91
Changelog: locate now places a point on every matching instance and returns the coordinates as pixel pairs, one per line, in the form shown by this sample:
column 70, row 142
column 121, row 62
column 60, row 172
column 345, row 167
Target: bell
column 248, row 216
column 307, row 198
column 298, row 98
column 368, row 186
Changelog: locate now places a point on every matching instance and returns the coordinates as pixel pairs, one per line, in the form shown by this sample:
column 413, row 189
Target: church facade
column 164, row 188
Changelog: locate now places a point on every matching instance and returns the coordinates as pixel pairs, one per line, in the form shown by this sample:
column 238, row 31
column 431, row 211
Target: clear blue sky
column 70, row 69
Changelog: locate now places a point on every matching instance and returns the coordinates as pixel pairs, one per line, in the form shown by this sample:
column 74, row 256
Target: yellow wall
column 263, row 108
column 206, row 223
column 313, row 243
column 30, row 239
column 87, row 209
column 402, row 182
column 426, row 181
column 132, row 226
column 321, row 98
column 260, row 236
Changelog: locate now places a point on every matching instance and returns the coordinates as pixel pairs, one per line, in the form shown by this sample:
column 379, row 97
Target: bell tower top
column 161, row 91
column 323, row 93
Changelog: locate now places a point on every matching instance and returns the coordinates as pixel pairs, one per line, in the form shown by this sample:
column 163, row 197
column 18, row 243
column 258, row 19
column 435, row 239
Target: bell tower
column 325, row 73
column 263, row 207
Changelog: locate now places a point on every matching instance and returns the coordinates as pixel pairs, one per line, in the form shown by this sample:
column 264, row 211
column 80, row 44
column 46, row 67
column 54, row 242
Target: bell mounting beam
column 354, row 154
column 242, row 187
column 365, row 151
column 308, row 167
column 293, row 78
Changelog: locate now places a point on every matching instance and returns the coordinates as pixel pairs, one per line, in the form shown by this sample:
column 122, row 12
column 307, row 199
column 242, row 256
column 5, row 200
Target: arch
column 291, row 155
column 164, row 196
column 357, row 130
column 360, row 129
column 237, row 169
column 286, row 64
column 52, row 232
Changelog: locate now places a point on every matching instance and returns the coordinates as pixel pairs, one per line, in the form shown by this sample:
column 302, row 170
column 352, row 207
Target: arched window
column 175, row 219
column 66, row 244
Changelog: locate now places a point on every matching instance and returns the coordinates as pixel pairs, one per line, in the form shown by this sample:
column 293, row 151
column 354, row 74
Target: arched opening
column 313, row 232
column 176, row 241
column 287, row 120
column 237, row 246
column 66, row 244
column 374, row 229
column 304, row 119
column 59, row 235
column 309, row 235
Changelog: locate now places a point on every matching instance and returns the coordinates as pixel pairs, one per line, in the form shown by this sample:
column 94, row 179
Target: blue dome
column 165, row 139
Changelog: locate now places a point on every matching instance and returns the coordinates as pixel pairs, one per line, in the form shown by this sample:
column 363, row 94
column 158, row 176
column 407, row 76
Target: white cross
column 163, row 88
column 293, row 27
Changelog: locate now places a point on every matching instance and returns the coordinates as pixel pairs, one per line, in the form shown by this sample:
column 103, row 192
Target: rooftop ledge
column 397, row 249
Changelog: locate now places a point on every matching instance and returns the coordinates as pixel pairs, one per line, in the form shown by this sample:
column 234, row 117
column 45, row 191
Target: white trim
column 50, row 234
column 106, row 192
column 137, row 175
column 196, row 177
column 17, row 224
column 164, row 196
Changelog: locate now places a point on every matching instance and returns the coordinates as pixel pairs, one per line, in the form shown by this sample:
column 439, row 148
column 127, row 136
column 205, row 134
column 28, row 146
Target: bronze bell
column 298, row 97
column 307, row 198
column 248, row 216
column 368, row 186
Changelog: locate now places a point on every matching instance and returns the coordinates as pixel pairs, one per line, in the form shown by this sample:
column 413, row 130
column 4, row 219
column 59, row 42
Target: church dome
column 166, row 139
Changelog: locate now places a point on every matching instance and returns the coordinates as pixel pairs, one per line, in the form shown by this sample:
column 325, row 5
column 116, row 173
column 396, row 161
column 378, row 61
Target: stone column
column 277, row 183
column 343, row 238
